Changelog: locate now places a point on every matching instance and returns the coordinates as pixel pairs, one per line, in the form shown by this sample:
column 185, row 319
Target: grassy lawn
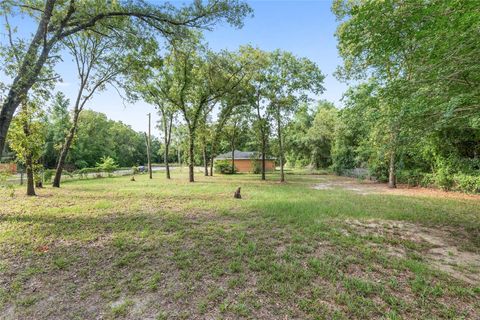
column 113, row 248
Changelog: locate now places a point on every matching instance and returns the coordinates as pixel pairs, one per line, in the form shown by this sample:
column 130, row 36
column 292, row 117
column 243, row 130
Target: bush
column 444, row 178
column 224, row 167
column 84, row 172
column 81, row 164
column 412, row 177
column 107, row 164
column 428, row 180
column 467, row 183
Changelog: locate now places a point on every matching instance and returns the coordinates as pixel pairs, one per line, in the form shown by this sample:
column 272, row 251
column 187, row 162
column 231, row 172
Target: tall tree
column 58, row 20
column 279, row 82
column 255, row 92
column 375, row 41
column 144, row 76
column 26, row 139
column 193, row 80
column 99, row 61
column 289, row 80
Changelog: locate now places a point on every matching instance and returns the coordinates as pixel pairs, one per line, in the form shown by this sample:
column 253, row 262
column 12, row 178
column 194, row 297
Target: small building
column 247, row 161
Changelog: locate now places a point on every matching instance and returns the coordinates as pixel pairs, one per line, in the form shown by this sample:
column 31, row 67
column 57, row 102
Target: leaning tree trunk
column 6, row 115
column 27, row 75
column 63, row 154
column 30, row 178
column 392, row 179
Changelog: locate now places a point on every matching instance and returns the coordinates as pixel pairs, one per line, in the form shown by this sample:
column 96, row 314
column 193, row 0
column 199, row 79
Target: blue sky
column 303, row 27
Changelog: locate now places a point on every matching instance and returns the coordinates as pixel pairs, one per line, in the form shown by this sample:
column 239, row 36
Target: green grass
column 113, row 248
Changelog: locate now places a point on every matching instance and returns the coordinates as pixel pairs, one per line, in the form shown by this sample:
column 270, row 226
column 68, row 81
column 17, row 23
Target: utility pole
column 149, row 139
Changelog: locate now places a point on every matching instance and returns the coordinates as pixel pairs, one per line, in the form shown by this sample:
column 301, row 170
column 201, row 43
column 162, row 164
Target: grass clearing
column 113, row 248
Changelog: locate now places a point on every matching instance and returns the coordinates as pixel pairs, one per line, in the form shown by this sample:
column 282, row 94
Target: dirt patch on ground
column 356, row 186
column 438, row 246
column 365, row 187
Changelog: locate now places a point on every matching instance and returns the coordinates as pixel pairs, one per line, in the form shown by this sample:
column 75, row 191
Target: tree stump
column 133, row 178
column 237, row 194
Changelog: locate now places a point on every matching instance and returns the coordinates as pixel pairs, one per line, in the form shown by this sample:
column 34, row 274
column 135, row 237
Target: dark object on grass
column 133, row 178
column 237, row 194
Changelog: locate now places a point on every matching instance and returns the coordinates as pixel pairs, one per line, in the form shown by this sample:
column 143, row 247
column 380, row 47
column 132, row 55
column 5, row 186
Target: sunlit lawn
column 158, row 249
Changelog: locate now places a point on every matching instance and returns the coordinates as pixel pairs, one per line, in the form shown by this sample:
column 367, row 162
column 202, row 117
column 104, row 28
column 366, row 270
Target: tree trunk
column 205, row 160
column 191, row 159
column 167, row 131
column 78, row 107
column 233, row 158
column 263, row 160
column 392, row 179
column 63, row 154
column 167, row 167
column 212, row 156
column 6, row 115
column 211, row 165
column 280, row 146
column 30, row 179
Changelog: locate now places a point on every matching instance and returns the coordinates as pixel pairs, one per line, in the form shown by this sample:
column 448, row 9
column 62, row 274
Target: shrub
column 81, row 164
column 444, row 178
column 412, row 177
column 84, row 172
column 107, row 164
column 467, row 183
column 224, row 167
column 428, row 180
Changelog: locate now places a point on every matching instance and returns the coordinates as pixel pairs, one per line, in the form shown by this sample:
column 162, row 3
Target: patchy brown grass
column 112, row 248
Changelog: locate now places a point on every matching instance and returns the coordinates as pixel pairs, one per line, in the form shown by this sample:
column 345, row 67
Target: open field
column 317, row 247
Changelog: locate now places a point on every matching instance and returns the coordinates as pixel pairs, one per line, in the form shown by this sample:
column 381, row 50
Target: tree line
column 410, row 113
column 151, row 52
